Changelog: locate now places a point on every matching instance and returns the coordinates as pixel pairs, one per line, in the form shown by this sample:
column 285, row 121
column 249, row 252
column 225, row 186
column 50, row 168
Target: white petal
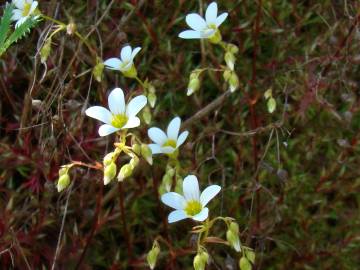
column 209, row 193
column 132, row 122
column 176, row 216
column 135, row 52
column 157, row 135
column 174, row 200
column 195, row 21
column 33, row 7
column 202, row 215
column 19, row 4
column 106, row 129
column 167, row 149
column 113, row 63
column 17, row 15
column 190, row 34
column 211, row 13
column 173, row 128
column 208, row 32
column 221, row 19
column 21, row 21
column 155, row 148
column 191, row 188
column 100, row 113
column 182, row 138
column 116, row 101
column 135, row 105
column 126, row 54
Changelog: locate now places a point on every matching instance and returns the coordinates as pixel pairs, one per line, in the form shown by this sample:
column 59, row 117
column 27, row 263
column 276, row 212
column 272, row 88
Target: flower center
column 170, row 142
column 193, row 207
column 119, row 120
column 26, row 9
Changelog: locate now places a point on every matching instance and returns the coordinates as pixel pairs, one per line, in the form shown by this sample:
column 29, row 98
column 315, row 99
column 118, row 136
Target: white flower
column 120, row 116
column 191, row 204
column 167, row 143
column 24, row 9
column 204, row 28
column 125, row 63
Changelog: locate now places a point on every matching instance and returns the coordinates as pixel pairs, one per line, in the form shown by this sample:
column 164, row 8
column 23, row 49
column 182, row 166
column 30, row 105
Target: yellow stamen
column 170, row 142
column 26, row 9
column 119, row 120
column 193, row 208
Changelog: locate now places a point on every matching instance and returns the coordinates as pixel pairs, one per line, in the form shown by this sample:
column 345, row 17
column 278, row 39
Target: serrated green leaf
column 19, row 33
column 5, row 23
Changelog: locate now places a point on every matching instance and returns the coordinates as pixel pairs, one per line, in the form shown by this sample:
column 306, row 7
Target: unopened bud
column 125, row 171
column 109, row 173
column 146, row 114
column 63, row 182
column 146, row 153
column 244, row 264
column 151, row 95
column 233, row 82
column 230, row 60
column 232, row 48
column 200, row 260
column 136, row 148
column 98, row 70
column 108, row 159
column 153, row 255
column 193, row 86
column 45, row 51
column 233, row 240
column 134, row 161
column 71, row 28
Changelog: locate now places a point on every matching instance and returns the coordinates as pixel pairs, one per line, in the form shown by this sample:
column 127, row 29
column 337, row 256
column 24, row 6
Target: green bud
column 108, row 159
column 170, row 171
column 227, row 74
column 233, row 82
column 153, row 255
column 71, row 28
column 268, row 93
column 244, row 264
column 130, row 73
column 271, row 105
column 234, row 227
column 216, row 37
column 232, row 48
column 98, row 70
column 136, row 148
column 45, row 51
column 198, row 263
column 63, row 170
column 63, row 182
column 250, row 255
column 193, row 86
column 134, row 161
column 167, row 182
column 146, row 153
column 233, row 240
column 109, row 173
column 125, row 171
column 146, row 114
column 230, row 60
column 152, row 99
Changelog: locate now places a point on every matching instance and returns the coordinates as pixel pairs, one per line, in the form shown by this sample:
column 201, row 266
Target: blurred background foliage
column 290, row 178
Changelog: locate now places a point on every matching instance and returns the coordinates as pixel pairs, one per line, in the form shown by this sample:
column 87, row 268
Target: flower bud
column 108, row 159
column 230, row 60
column 232, row 236
column 193, row 86
column 109, row 173
column 63, row 182
column 244, row 264
column 165, row 184
column 146, row 114
column 153, row 254
column 98, row 70
column 233, row 82
column 136, row 148
column 134, row 161
column 232, row 48
column 146, row 153
column 125, row 171
column 170, row 171
column 130, row 73
column 200, row 260
column 271, row 105
column 71, row 28
column 151, row 96
column 227, row 75
column 45, row 51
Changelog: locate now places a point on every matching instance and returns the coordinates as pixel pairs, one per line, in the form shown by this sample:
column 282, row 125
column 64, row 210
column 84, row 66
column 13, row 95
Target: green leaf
column 19, row 33
column 5, row 23
column 244, row 264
